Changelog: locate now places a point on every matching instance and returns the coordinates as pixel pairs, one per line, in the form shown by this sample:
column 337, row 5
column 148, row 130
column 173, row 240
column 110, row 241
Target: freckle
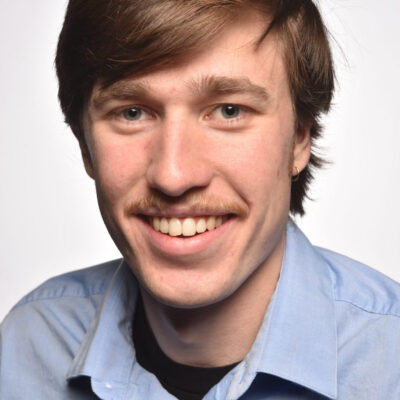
column 278, row 172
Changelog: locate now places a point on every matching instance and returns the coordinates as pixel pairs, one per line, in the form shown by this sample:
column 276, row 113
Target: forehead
column 235, row 60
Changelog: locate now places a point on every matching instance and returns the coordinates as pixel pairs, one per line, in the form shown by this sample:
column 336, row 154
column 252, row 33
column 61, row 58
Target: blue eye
column 132, row 114
column 229, row 111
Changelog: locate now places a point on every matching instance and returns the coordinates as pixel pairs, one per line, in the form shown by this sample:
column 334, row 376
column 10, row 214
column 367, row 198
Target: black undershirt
column 183, row 381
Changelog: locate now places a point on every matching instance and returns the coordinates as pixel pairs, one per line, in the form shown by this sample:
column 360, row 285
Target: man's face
column 206, row 141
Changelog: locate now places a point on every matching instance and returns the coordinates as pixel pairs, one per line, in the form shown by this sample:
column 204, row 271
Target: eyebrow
column 120, row 90
column 213, row 85
column 208, row 86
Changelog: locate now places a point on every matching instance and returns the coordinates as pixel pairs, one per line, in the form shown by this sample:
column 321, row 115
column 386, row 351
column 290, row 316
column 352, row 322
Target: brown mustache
column 196, row 202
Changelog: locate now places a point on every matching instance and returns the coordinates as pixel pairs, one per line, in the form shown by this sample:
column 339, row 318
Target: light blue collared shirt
column 332, row 331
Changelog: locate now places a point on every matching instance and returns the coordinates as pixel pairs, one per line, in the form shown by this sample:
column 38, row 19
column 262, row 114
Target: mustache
column 195, row 202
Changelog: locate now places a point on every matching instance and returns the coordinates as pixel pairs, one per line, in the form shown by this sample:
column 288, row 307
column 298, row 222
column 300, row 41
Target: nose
column 178, row 159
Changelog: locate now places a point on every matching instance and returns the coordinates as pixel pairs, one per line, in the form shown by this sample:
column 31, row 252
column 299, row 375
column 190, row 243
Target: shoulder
column 67, row 301
column 41, row 334
column 362, row 286
column 80, row 283
column 367, row 314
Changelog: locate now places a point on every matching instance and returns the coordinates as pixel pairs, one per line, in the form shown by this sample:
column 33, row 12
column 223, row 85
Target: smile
column 188, row 226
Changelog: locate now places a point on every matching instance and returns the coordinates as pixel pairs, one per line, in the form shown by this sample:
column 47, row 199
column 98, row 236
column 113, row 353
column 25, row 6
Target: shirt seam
column 34, row 300
column 367, row 310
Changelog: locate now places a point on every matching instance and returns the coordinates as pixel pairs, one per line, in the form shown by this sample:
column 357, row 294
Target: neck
column 221, row 333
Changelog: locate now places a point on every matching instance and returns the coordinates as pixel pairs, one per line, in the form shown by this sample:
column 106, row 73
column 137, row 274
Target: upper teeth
column 186, row 226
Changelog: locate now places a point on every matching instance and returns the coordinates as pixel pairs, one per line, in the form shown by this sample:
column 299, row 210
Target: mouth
column 185, row 227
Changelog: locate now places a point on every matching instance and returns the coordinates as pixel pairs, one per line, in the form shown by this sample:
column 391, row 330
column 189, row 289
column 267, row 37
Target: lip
column 177, row 246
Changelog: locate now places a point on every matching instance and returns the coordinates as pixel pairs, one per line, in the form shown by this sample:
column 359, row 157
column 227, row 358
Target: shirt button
column 108, row 386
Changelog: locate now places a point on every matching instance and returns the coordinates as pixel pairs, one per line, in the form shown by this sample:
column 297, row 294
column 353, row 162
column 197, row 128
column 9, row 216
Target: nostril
column 177, row 173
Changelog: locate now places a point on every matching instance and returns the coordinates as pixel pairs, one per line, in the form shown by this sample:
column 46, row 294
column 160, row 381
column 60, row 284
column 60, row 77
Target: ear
column 301, row 148
column 87, row 160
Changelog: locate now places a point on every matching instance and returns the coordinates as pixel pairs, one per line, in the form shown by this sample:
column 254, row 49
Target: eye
column 230, row 111
column 229, row 116
column 132, row 114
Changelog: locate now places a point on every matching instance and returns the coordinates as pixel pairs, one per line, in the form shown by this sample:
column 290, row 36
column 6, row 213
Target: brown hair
column 104, row 41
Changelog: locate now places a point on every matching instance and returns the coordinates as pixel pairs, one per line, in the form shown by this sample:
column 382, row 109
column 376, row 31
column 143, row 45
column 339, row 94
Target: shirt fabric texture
column 331, row 331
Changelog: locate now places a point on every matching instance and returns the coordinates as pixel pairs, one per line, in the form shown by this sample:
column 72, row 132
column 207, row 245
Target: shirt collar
column 297, row 340
column 107, row 354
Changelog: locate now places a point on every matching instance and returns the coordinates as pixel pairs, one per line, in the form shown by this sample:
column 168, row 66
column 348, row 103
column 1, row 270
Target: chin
column 186, row 292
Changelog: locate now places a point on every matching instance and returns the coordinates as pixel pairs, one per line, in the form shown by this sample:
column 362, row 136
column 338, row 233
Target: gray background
column 48, row 213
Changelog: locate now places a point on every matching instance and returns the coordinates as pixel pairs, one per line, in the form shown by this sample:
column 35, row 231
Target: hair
column 104, row 41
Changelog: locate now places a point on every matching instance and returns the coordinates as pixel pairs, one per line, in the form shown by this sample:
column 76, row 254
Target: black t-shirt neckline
column 183, row 381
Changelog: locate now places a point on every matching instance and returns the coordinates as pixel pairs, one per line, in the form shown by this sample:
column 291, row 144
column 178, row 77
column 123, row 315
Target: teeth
column 188, row 226
column 175, row 227
column 201, row 225
column 210, row 223
column 156, row 224
column 164, row 225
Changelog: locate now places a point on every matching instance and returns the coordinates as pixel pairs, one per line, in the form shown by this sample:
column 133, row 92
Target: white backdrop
column 48, row 213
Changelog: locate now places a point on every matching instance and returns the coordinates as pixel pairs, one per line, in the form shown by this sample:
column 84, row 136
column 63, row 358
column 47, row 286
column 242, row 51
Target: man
column 197, row 121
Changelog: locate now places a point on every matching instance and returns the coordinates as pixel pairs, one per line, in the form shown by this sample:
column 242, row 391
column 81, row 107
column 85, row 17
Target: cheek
column 258, row 161
column 119, row 164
